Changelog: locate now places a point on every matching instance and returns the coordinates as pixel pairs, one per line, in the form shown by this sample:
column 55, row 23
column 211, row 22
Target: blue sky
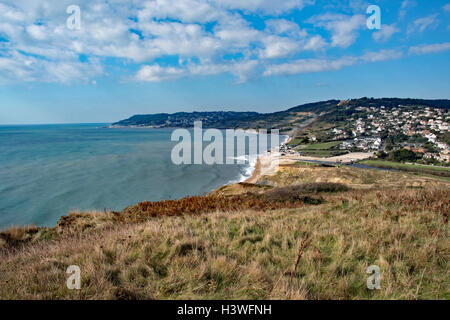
column 133, row 57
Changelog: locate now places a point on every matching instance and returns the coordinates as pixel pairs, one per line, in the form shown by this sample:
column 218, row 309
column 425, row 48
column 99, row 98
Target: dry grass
column 353, row 177
column 16, row 236
column 257, row 198
column 250, row 254
column 260, row 199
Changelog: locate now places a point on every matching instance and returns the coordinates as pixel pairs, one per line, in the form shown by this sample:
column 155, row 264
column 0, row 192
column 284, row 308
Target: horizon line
column 50, row 124
column 287, row 108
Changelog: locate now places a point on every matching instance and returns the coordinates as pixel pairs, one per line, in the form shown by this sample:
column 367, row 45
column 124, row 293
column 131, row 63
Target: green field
column 321, row 150
column 416, row 168
column 322, row 153
column 295, row 141
column 398, row 165
column 321, row 146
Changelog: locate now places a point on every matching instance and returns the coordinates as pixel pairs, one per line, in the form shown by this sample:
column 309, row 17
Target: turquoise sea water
column 48, row 170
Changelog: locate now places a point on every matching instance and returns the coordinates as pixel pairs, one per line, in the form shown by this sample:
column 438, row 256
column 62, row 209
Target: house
column 445, row 156
column 432, row 137
column 429, row 156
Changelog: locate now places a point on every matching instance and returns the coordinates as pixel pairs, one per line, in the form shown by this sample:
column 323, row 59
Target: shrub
column 402, row 155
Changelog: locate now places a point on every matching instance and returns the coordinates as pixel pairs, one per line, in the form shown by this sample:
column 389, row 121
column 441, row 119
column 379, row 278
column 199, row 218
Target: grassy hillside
column 356, row 178
column 417, row 168
column 317, row 245
column 331, row 111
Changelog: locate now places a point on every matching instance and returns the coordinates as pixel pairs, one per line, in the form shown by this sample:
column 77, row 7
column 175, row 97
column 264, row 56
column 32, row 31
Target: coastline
column 262, row 165
column 81, row 201
column 267, row 164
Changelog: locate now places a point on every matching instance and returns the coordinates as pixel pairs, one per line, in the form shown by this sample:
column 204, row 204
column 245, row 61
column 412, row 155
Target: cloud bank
column 163, row 40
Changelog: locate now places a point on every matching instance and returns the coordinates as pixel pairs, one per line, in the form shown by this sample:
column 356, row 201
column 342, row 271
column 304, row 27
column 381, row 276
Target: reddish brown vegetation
column 304, row 244
column 16, row 235
column 278, row 198
column 434, row 200
column 200, row 205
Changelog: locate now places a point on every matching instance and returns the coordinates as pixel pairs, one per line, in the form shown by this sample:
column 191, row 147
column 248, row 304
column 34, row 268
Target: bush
column 382, row 155
column 402, row 155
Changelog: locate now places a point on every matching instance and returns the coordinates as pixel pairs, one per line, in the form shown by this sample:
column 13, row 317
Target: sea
column 47, row 171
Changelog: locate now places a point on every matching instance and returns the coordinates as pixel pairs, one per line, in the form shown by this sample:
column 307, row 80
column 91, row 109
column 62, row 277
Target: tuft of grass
column 19, row 235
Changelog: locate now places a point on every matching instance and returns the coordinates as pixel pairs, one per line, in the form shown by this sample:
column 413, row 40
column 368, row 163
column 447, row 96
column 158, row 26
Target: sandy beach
column 268, row 164
column 344, row 159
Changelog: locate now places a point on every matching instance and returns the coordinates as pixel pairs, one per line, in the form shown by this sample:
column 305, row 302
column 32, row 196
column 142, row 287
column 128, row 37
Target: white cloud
column 421, row 24
column 37, row 32
column 308, row 66
column 285, row 27
column 237, row 32
column 315, row 43
column 431, row 48
column 186, row 10
column 207, row 37
column 174, row 38
column 320, row 65
column 11, row 14
column 243, row 70
column 447, row 7
column 344, row 29
column 386, row 32
column 19, row 67
column 382, row 55
column 405, row 6
column 156, row 73
column 278, row 47
column 266, row 6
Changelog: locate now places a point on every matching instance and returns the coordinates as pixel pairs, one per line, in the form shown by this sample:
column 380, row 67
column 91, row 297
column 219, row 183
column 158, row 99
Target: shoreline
column 267, row 164
column 247, row 171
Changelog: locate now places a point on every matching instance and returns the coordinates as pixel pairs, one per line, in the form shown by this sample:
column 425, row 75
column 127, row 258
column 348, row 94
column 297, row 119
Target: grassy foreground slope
column 317, row 246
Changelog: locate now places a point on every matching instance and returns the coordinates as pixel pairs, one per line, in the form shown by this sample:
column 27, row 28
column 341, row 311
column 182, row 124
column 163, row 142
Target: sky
column 113, row 59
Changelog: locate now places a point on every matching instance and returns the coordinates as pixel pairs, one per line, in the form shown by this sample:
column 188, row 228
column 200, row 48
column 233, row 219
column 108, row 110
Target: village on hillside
column 421, row 130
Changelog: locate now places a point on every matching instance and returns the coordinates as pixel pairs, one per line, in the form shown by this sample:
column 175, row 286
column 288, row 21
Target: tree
column 402, row 155
column 382, row 155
